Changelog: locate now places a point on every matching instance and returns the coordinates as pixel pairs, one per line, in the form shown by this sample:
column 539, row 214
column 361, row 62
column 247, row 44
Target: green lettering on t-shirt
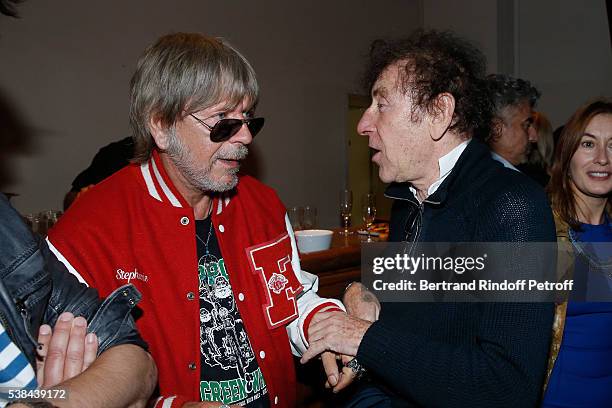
column 216, row 391
column 205, row 391
column 211, row 270
column 226, row 391
column 231, row 391
column 235, row 390
column 256, row 378
column 241, row 388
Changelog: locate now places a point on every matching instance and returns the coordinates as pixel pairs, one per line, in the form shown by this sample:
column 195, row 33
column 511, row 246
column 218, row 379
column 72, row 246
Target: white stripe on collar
column 167, row 402
column 146, row 174
column 222, row 203
column 219, row 206
column 171, row 197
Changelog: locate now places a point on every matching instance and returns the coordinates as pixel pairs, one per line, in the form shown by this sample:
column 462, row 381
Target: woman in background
column 542, row 154
column 581, row 183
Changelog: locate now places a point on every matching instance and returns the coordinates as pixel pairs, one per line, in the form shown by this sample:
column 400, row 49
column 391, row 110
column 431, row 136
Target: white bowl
column 313, row 240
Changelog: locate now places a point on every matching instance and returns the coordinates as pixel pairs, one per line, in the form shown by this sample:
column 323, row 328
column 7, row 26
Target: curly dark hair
column 436, row 62
column 7, row 7
column 505, row 90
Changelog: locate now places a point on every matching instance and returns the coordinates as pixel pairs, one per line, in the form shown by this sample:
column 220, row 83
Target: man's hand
column 335, row 331
column 337, row 380
column 347, row 376
column 65, row 351
column 342, row 378
column 361, row 303
column 330, row 366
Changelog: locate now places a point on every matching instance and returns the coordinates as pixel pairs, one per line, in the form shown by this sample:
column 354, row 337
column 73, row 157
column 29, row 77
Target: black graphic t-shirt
column 230, row 373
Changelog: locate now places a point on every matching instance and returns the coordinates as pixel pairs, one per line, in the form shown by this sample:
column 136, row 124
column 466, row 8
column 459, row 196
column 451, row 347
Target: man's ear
column 497, row 128
column 442, row 115
column 159, row 131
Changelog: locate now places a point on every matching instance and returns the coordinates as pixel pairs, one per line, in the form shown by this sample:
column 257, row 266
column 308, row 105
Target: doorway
column 362, row 173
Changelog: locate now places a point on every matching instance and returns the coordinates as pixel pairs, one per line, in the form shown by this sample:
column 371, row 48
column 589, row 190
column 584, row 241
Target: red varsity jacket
column 135, row 227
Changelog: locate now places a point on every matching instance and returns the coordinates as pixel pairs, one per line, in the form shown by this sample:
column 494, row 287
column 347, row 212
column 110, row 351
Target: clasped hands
column 337, row 335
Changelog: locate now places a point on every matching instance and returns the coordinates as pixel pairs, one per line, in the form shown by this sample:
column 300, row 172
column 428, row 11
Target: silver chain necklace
column 207, row 259
column 206, row 250
column 208, row 215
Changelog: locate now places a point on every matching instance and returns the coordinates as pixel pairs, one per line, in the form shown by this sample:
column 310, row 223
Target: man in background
column 107, row 161
column 512, row 132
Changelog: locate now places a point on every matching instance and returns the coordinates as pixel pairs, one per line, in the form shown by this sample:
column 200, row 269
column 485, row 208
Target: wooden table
column 337, row 266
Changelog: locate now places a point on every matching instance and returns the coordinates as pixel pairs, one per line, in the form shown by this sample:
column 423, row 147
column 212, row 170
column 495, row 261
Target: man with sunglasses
column 428, row 98
column 225, row 302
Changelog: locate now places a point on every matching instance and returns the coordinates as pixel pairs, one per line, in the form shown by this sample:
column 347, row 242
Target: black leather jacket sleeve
column 110, row 319
column 35, row 288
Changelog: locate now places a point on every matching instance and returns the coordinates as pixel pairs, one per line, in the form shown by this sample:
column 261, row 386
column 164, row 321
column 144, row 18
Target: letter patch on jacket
column 271, row 262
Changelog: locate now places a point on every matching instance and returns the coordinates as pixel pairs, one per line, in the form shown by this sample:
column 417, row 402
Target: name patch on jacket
column 271, row 262
column 130, row 275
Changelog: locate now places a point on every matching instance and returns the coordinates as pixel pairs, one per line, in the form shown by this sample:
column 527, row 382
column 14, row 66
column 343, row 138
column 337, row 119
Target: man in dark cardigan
column 428, row 102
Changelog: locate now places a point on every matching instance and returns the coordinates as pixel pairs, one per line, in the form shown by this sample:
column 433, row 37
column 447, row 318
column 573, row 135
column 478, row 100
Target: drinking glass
column 346, row 206
column 43, row 225
column 368, row 204
column 49, row 218
column 310, row 217
column 32, row 220
column 296, row 217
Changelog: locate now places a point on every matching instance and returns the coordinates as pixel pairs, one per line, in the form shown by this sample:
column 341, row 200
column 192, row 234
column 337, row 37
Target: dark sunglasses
column 226, row 128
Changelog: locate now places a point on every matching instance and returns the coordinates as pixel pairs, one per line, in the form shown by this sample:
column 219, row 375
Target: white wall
column 562, row 46
column 475, row 20
column 65, row 68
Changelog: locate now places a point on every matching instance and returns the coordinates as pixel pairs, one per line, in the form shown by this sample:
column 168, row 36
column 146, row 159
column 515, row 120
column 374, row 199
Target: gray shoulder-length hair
column 183, row 73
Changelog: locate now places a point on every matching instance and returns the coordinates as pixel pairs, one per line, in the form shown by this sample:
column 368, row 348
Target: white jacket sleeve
column 308, row 300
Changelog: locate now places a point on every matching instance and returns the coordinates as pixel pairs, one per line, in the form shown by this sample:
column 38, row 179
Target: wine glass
column 368, row 204
column 346, row 206
column 310, row 217
column 296, row 217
